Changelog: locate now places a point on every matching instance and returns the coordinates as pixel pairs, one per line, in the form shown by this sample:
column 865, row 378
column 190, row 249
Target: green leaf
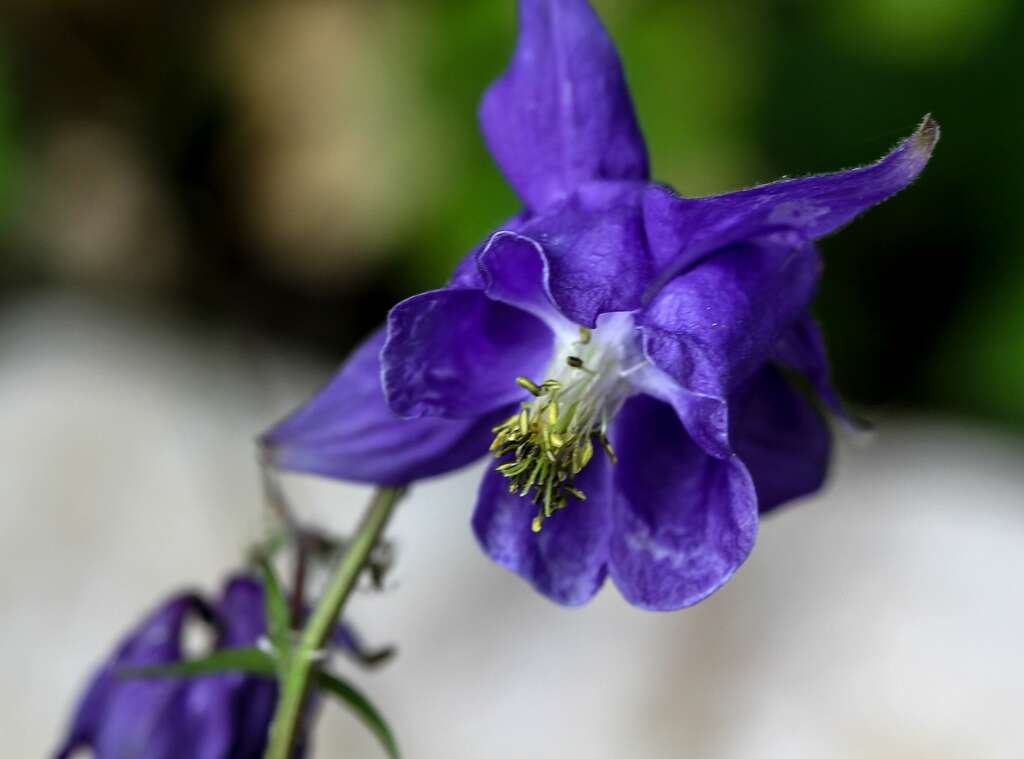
column 249, row 660
column 361, row 707
column 278, row 621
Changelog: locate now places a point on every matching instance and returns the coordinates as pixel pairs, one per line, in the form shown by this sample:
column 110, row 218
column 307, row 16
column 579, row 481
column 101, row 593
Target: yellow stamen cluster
column 551, row 439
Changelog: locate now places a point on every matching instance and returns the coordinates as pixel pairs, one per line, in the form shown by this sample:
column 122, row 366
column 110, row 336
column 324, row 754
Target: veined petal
column 561, row 113
column 684, row 521
column 712, row 327
column 595, row 254
column 705, row 417
column 566, row 560
column 781, row 438
column 348, row 431
column 515, row 270
column 457, row 353
column 683, row 230
column 467, row 274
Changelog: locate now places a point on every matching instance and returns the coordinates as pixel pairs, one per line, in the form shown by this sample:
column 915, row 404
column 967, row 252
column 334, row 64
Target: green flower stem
column 303, row 662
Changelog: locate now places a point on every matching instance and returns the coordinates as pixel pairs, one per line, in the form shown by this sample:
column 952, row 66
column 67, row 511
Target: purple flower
column 213, row 717
column 616, row 344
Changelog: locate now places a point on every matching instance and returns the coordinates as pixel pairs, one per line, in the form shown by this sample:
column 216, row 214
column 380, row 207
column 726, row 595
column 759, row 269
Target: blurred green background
column 290, row 169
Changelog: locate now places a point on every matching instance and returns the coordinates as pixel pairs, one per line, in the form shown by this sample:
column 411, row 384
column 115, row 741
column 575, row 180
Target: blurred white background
column 882, row 619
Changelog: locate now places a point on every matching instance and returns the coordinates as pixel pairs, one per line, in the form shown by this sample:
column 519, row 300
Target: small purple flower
column 213, row 717
column 616, row 345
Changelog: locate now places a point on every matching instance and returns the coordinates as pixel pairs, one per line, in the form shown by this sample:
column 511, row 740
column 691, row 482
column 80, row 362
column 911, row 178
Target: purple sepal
column 349, row 432
column 802, row 349
column 781, row 438
column 561, row 114
column 681, row 231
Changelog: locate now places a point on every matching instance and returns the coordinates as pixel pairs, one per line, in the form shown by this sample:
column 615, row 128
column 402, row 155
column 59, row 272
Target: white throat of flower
column 554, row 435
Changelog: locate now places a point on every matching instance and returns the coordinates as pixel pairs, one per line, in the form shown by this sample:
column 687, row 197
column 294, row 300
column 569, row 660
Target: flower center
column 555, row 434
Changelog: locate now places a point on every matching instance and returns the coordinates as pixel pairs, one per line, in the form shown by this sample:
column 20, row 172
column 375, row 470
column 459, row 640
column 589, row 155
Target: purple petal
column 347, row 431
column 783, row 441
column 566, row 560
column 802, row 349
column 456, row 354
column 705, row 417
column 595, row 252
column 515, row 270
column 682, row 230
column 712, row 327
column 467, row 275
column 684, row 521
column 561, row 114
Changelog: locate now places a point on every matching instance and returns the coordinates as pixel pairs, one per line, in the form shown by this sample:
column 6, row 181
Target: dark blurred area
column 291, row 169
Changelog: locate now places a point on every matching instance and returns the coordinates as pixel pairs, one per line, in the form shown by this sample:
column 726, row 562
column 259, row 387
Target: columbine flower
column 618, row 344
column 214, row 717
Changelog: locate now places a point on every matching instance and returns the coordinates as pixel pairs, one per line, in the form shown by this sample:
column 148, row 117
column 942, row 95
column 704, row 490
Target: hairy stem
column 303, row 663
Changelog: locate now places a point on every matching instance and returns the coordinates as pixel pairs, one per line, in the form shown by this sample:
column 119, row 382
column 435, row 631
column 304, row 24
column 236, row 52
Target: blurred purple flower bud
column 224, row 716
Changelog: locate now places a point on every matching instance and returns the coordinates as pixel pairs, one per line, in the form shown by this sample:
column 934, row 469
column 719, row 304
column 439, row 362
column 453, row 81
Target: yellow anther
column 607, row 445
column 507, row 423
column 587, row 453
column 524, row 423
column 579, row 494
column 527, row 384
column 552, row 438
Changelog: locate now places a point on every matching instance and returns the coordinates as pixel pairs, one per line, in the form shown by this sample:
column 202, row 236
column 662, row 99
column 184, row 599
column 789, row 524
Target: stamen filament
column 551, row 439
